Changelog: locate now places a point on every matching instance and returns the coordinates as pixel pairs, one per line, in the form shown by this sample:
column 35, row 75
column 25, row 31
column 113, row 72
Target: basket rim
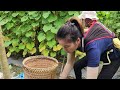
column 40, row 56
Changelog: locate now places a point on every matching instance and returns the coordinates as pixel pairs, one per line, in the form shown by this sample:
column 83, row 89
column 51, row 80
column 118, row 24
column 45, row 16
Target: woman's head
column 69, row 35
column 88, row 22
column 88, row 17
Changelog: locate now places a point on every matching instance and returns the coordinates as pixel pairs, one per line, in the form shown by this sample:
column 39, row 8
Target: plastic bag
column 116, row 43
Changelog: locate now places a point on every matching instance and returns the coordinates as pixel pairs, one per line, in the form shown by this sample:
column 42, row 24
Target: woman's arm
column 92, row 72
column 68, row 65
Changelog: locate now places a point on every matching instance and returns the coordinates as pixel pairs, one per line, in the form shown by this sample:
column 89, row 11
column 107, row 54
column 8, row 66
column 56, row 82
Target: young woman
column 96, row 42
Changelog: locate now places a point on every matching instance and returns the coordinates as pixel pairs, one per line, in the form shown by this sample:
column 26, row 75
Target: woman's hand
column 68, row 66
column 62, row 76
column 92, row 72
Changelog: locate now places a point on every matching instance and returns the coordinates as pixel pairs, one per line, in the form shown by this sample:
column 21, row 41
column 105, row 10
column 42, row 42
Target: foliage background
column 33, row 32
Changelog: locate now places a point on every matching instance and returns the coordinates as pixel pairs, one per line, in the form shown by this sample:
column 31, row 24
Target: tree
column 3, row 58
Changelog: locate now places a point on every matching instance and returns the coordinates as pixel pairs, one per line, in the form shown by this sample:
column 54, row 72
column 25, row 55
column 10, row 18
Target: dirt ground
column 16, row 66
column 18, row 69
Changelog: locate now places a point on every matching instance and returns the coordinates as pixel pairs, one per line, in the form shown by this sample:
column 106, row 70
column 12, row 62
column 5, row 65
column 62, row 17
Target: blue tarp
column 19, row 76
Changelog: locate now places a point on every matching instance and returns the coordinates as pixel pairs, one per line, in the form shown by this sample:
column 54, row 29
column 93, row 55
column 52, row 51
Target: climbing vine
column 33, row 32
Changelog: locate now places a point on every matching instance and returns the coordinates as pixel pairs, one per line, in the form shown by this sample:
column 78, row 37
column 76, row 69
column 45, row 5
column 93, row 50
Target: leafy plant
column 33, row 32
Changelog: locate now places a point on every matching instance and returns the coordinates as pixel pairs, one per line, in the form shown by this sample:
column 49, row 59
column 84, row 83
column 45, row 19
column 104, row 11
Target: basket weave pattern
column 40, row 67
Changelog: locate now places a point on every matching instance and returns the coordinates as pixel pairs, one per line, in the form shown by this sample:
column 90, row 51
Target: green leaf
column 67, row 17
column 6, row 11
column 16, row 30
column 54, row 30
column 32, row 51
column 47, row 27
column 52, row 18
column 63, row 13
column 57, row 48
column 33, row 34
column 6, row 38
column 49, row 35
column 24, row 40
column 58, row 23
column 1, row 18
column 35, row 24
column 38, row 17
column 14, row 20
column 24, row 52
column 46, row 14
column 54, row 12
column 17, row 49
column 15, row 42
column 71, row 12
column 8, row 54
column 31, row 17
column 44, row 21
column 9, row 18
column 9, row 25
column 42, row 46
column 63, row 52
column 45, row 52
column 118, row 30
column 28, row 34
column 22, row 13
column 24, row 18
column 30, row 45
column 21, row 46
column 31, row 12
column 76, row 14
column 11, row 49
column 7, row 43
column 25, row 28
column 118, row 25
column 51, row 43
column 35, row 14
column 14, row 14
column 3, row 22
column 52, row 54
column 41, row 36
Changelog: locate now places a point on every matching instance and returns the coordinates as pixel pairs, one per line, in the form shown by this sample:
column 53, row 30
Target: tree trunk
column 3, row 58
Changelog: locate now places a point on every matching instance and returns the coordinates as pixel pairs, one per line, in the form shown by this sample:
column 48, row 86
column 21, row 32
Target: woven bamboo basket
column 40, row 67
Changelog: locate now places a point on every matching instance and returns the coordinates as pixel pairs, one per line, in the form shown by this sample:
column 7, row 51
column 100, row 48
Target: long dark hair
column 71, row 30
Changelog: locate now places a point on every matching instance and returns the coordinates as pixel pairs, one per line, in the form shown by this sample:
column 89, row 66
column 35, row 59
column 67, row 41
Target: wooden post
column 3, row 58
